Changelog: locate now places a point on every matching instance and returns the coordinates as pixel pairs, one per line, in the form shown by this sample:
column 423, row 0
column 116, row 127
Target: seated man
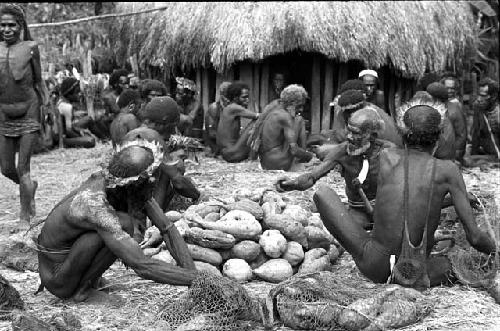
column 92, row 226
column 486, row 125
column 360, row 151
column 73, row 135
column 232, row 145
column 275, row 134
column 152, row 88
column 456, row 115
column 411, row 187
column 186, row 96
column 373, row 95
column 126, row 120
column 349, row 102
column 212, row 117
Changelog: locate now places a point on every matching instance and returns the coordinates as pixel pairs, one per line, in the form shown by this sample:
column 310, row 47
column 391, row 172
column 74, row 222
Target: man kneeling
column 92, row 227
column 404, row 229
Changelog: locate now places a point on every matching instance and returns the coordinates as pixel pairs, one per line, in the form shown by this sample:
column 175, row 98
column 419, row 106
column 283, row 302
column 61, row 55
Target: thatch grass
column 412, row 35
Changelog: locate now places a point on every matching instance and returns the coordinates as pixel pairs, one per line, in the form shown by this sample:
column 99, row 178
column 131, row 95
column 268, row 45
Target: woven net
column 471, row 267
column 212, row 303
column 323, row 301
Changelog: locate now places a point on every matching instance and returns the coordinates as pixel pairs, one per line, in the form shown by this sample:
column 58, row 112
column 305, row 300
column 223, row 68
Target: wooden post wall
column 327, row 95
column 316, row 95
column 264, row 85
column 392, row 94
column 256, row 88
column 219, row 78
column 246, row 75
column 205, row 92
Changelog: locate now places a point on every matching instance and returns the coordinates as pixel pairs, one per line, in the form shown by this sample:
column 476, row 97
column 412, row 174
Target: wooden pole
column 473, row 78
column 392, row 95
column 205, row 95
column 264, row 85
column 256, row 87
column 327, row 95
column 219, row 78
column 316, row 95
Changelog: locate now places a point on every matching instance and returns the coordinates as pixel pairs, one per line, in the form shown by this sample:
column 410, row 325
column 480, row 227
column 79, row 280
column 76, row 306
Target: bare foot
column 93, row 296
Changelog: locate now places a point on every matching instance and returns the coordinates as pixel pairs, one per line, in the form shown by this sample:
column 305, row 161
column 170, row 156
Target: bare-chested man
column 92, row 227
column 276, row 132
column 373, row 95
column 456, row 115
column 212, row 118
column 232, row 144
column 129, row 104
column 361, row 146
column 411, row 187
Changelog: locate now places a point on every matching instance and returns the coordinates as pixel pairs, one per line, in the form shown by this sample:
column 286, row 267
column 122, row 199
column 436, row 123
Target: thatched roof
column 412, row 35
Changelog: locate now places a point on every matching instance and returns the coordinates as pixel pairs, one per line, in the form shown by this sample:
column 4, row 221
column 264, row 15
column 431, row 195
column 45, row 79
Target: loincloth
column 16, row 128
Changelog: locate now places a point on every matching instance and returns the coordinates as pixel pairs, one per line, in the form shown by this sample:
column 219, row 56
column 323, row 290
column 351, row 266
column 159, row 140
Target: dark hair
column 450, row 77
column 127, row 97
column 234, row 90
column 492, row 86
column 115, row 76
column 68, row 86
column 352, row 84
column 20, row 17
column 148, row 85
column 423, row 126
column 426, row 80
column 438, row 91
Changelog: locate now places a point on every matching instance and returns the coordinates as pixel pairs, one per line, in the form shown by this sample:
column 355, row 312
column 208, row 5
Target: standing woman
column 21, row 93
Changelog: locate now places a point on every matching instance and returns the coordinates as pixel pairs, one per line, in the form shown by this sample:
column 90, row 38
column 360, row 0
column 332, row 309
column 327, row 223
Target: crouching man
column 410, row 191
column 92, row 226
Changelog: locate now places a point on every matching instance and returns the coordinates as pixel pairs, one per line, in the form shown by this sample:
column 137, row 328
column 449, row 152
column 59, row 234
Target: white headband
column 368, row 72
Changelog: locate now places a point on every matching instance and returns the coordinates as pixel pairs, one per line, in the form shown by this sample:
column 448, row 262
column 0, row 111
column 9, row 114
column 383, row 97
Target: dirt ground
column 60, row 171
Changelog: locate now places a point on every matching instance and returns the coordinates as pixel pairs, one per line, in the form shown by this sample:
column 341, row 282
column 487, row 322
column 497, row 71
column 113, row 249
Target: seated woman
column 73, row 136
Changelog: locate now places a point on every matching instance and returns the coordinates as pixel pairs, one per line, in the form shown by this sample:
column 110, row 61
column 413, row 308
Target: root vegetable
column 297, row 213
column 249, row 206
column 150, row 251
column 318, row 238
column 359, row 314
column 315, row 260
column 315, row 220
column 203, row 209
column 321, row 313
column 173, row 216
column 395, row 313
column 294, row 253
column 274, row 270
column 260, row 260
column 165, row 256
column 182, row 226
column 333, row 253
column 209, row 238
column 273, row 243
column 238, row 223
column 291, row 229
column 204, row 254
column 212, row 217
column 237, row 269
column 247, row 250
column 203, row 266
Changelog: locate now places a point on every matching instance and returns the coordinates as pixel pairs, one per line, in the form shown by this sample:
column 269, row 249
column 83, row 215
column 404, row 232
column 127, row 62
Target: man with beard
column 276, row 132
column 358, row 154
column 373, row 95
column 213, row 116
column 232, row 144
column 152, row 88
column 92, row 226
column 486, row 125
column 411, row 187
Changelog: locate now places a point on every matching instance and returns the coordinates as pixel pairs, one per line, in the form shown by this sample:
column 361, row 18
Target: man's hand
column 152, row 237
column 301, row 183
column 285, row 184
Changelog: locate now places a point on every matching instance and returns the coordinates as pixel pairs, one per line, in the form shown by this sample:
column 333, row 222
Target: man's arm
column 237, row 110
column 181, row 184
column 459, row 124
column 480, row 240
column 286, row 122
column 110, row 104
column 37, row 75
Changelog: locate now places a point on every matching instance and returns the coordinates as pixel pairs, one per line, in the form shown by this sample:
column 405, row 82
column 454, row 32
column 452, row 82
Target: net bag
column 212, row 303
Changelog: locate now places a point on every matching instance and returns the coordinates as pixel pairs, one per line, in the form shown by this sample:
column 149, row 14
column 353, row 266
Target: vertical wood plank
column 392, row 94
column 316, row 95
column 198, row 81
column 205, row 95
column 264, row 85
column 327, row 95
column 342, row 76
column 219, row 78
column 256, row 87
column 398, row 97
column 229, row 74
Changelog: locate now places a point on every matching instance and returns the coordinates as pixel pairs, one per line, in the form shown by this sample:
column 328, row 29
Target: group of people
column 393, row 168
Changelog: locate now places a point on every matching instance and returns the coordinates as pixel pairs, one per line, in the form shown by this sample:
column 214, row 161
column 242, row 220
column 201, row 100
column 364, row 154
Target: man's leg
column 440, row 271
column 8, row 159
column 240, row 150
column 27, row 187
column 88, row 257
column 370, row 256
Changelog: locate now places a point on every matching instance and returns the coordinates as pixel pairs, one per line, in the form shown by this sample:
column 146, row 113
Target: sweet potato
column 318, row 238
column 358, row 315
column 238, row 223
column 292, row 230
column 259, row 260
column 297, row 213
column 173, row 216
column 273, row 243
column 165, row 256
column 274, row 270
column 203, row 266
column 294, row 253
column 212, row 217
column 204, row 254
column 247, row 250
column 209, row 238
column 237, row 269
column 247, row 205
column 316, row 259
